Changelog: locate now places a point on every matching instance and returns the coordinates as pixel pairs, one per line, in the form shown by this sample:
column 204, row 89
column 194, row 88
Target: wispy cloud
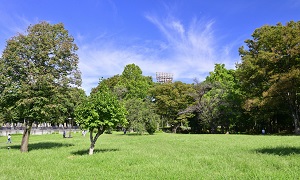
column 11, row 25
column 193, row 49
column 186, row 51
column 105, row 61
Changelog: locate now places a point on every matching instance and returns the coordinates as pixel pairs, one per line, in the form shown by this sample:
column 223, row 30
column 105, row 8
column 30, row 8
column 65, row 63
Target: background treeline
column 261, row 93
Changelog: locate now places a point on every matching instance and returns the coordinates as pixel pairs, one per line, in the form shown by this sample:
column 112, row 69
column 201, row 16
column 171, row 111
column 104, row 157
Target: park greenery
column 39, row 74
column 40, row 82
column 99, row 112
column 159, row 156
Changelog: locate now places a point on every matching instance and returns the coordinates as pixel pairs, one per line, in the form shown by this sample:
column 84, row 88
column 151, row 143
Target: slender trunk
column 174, row 128
column 91, row 151
column 212, row 127
column 294, row 110
column 25, row 137
column 296, row 122
column 94, row 139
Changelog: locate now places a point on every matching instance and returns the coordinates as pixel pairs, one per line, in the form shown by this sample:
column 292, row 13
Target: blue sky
column 183, row 37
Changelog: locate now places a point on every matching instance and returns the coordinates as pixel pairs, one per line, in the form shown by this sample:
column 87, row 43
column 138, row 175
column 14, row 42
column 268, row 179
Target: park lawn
column 159, row 156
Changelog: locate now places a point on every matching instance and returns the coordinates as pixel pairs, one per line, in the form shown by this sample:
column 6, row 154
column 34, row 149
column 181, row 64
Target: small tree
column 101, row 111
column 141, row 116
column 151, row 126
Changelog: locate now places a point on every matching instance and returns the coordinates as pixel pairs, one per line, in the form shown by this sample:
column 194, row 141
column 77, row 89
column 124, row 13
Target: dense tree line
column 40, row 80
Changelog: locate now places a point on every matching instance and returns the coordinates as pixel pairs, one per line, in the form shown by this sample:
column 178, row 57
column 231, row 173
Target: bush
column 151, row 126
column 108, row 131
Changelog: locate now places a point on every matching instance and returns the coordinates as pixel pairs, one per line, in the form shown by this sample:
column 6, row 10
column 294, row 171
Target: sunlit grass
column 161, row 156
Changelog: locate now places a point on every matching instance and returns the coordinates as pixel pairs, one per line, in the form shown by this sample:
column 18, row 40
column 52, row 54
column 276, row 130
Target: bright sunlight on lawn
column 159, row 156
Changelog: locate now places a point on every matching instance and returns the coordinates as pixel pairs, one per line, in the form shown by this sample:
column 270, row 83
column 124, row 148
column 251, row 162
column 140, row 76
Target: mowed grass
column 160, row 156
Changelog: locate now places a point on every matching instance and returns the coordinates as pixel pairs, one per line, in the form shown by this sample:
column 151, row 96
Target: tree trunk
column 91, row 151
column 94, row 139
column 174, row 128
column 92, row 142
column 295, row 114
column 25, row 137
column 294, row 108
column 296, row 122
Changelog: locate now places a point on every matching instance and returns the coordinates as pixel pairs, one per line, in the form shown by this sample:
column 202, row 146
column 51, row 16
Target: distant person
column 263, row 132
column 83, row 132
column 8, row 139
column 64, row 134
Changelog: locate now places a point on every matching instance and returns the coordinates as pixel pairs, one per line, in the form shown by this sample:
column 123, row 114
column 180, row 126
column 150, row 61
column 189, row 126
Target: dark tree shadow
column 135, row 134
column 86, row 152
column 280, row 151
column 40, row 145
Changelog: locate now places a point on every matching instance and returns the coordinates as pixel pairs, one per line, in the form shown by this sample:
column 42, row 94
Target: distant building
column 162, row 77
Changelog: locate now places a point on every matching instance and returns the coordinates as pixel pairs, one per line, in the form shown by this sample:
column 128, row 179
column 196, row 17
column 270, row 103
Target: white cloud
column 11, row 25
column 186, row 51
column 194, row 49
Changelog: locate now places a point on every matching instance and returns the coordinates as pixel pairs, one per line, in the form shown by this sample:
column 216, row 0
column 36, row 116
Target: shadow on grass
column 134, row 134
column 86, row 152
column 280, row 151
column 40, row 145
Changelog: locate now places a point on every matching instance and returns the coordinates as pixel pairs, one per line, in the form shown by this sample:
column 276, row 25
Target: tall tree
column 111, row 83
column 223, row 101
column 39, row 66
column 100, row 112
column 270, row 70
column 170, row 100
column 197, row 107
column 135, row 84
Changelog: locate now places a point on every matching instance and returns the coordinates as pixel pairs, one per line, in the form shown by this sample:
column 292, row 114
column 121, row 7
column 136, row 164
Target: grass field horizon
column 159, row 156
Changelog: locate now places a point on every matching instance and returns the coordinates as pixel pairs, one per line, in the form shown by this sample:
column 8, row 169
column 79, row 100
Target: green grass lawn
column 160, row 156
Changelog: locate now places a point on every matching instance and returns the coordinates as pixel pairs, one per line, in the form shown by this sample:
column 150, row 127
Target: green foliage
column 38, row 67
column 111, row 83
column 151, row 126
column 37, row 70
column 141, row 116
column 270, row 72
column 171, row 99
column 101, row 111
column 132, row 83
column 221, row 104
column 131, row 87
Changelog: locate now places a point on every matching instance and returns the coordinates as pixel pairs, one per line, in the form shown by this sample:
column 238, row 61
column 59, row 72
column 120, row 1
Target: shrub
column 151, row 126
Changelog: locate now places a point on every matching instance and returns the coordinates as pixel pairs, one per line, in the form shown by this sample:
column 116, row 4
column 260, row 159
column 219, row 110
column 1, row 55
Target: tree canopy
column 270, row 71
column 141, row 115
column 99, row 112
column 221, row 104
column 170, row 100
column 135, row 84
column 38, row 69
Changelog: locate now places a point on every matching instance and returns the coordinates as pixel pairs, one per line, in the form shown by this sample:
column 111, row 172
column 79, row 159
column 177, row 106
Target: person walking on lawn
column 8, row 139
